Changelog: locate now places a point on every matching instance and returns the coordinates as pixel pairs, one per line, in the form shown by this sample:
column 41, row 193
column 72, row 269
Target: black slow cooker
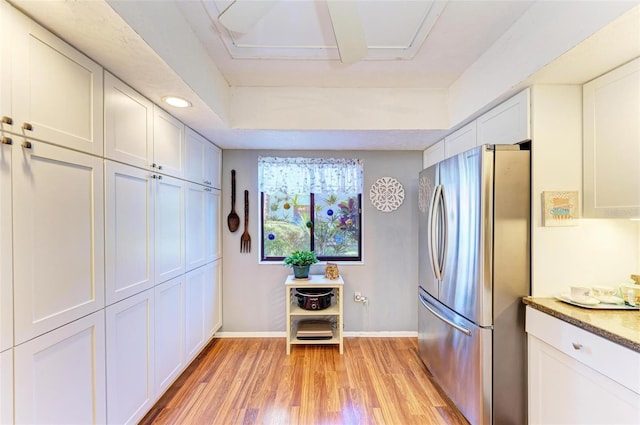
column 314, row 298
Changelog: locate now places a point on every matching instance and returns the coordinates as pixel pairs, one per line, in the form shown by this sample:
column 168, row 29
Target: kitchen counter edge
column 621, row 327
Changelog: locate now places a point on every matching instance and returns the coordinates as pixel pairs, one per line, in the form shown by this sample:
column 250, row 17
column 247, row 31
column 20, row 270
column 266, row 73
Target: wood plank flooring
column 377, row 381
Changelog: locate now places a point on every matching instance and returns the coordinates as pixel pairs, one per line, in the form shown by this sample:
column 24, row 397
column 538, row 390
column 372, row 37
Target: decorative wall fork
column 245, row 239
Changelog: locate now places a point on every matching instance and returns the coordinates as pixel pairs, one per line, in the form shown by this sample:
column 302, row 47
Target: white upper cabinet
column 128, row 124
column 611, row 120
column 129, row 230
column 202, row 160
column 461, row 140
column 6, row 115
column 433, row 154
column 169, row 146
column 213, row 298
column 56, row 90
column 6, row 250
column 507, row 123
column 58, row 237
column 60, row 376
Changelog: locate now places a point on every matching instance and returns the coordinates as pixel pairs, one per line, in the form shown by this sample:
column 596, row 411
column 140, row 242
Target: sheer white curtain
column 310, row 175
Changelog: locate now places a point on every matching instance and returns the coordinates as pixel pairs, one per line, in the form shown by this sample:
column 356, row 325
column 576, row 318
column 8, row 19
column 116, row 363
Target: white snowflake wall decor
column 386, row 194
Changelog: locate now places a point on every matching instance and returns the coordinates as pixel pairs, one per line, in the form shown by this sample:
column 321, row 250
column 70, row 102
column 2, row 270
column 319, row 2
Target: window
column 311, row 204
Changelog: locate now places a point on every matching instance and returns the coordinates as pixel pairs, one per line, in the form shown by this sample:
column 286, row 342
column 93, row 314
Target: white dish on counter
column 580, row 300
column 610, row 299
column 597, row 306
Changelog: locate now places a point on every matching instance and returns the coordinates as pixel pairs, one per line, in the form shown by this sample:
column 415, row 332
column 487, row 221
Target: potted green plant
column 301, row 261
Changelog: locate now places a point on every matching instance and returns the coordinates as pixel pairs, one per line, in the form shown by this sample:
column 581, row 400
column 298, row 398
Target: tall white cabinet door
column 507, row 123
column 169, row 228
column 58, row 218
column 168, row 144
column 213, row 298
column 194, row 311
column 60, row 376
column 6, row 387
column 56, row 89
column 195, row 225
column 169, row 332
column 130, row 358
column 128, row 124
column 129, row 231
column 212, row 225
column 6, row 254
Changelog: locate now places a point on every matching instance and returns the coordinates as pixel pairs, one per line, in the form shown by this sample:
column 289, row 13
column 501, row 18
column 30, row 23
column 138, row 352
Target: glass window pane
column 286, row 224
column 336, row 224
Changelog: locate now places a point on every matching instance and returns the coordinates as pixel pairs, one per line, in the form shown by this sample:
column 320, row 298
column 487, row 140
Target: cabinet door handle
column 7, row 120
column 154, row 165
column 159, row 177
column 26, row 145
column 577, row 346
column 27, row 126
column 159, row 167
column 7, row 141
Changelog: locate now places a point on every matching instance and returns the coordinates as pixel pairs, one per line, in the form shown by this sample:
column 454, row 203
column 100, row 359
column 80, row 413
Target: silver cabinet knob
column 7, row 120
column 159, row 177
column 26, row 145
column 7, row 141
column 27, row 126
column 159, row 167
column 577, row 346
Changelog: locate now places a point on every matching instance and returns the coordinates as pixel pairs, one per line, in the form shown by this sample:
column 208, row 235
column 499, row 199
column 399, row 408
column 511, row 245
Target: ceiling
column 179, row 47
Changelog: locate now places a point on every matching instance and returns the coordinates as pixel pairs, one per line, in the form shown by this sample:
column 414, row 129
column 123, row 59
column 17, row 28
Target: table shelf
column 294, row 312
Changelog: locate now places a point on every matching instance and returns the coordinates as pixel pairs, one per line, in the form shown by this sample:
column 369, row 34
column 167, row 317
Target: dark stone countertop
column 619, row 326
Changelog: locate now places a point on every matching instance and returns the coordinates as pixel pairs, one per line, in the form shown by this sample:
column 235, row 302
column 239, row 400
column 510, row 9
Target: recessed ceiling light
column 176, row 101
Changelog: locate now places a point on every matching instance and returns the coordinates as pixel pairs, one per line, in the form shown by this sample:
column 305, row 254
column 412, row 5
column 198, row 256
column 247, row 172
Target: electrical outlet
column 357, row 296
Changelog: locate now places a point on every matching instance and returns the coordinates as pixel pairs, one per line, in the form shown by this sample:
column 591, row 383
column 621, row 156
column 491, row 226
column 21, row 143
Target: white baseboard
column 348, row 334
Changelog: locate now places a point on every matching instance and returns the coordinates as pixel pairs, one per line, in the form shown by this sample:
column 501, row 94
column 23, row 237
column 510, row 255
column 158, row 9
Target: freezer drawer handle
column 465, row 331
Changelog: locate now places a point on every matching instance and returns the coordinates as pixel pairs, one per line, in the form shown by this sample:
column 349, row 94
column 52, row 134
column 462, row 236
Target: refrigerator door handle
column 434, row 240
column 442, row 260
column 425, row 303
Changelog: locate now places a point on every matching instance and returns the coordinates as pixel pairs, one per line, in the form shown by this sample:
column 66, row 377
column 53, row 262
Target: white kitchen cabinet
column 6, row 113
column 169, row 228
column 578, row 377
column 128, row 124
column 129, row 249
column 60, row 376
column 194, row 311
column 433, row 154
column 213, row 297
column 169, row 332
column 58, row 237
column 196, row 236
column 56, row 91
column 507, row 123
column 202, row 160
column 212, row 225
column 611, row 137
column 460, row 140
column 6, row 387
column 130, row 358
column 6, row 249
column 169, row 144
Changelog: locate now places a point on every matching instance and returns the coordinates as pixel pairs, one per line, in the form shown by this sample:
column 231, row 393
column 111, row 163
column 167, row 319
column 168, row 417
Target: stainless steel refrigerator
column 474, row 251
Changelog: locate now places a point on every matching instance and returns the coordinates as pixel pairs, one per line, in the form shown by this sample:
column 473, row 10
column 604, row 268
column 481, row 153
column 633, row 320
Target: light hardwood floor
column 253, row 381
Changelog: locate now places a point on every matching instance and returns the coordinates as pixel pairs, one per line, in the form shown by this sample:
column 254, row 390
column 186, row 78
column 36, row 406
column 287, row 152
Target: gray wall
column 253, row 293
